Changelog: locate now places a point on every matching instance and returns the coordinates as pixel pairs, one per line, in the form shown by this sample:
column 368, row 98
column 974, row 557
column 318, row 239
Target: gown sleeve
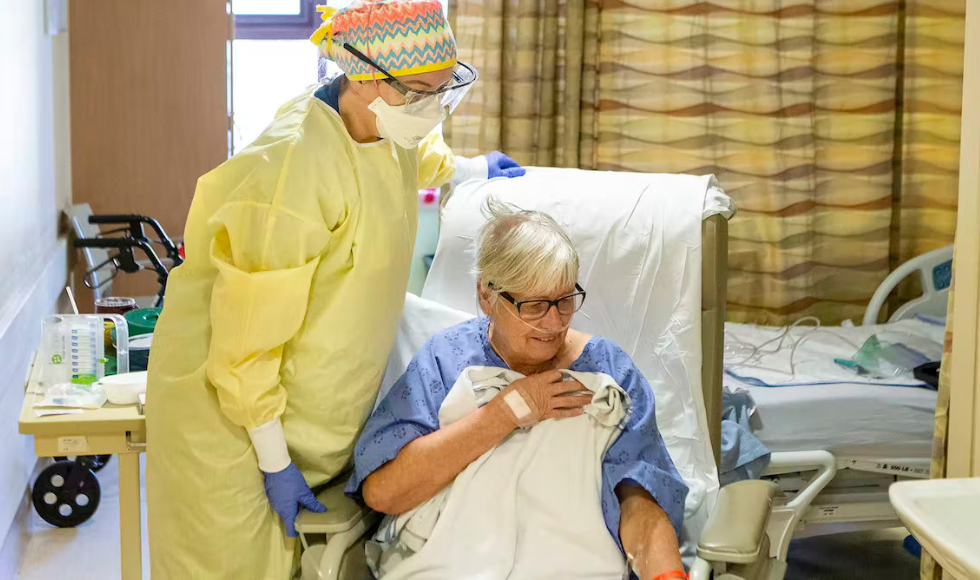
column 410, row 410
column 639, row 456
column 266, row 243
column 437, row 164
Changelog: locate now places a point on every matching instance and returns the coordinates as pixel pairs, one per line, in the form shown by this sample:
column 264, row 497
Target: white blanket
column 527, row 509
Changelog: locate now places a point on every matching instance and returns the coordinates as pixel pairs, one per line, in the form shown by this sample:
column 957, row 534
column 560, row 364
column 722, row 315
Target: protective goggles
column 529, row 310
column 447, row 96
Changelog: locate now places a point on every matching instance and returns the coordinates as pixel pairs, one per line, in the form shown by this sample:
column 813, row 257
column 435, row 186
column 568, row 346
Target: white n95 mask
column 407, row 129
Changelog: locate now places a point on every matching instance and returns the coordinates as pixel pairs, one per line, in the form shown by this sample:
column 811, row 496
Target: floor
column 91, row 551
column 874, row 554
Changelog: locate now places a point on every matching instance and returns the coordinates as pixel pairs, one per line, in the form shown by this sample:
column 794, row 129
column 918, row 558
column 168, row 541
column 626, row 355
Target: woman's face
column 526, row 342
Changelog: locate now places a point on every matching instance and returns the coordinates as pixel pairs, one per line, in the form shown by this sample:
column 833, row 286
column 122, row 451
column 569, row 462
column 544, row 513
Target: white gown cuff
column 468, row 168
column 270, row 446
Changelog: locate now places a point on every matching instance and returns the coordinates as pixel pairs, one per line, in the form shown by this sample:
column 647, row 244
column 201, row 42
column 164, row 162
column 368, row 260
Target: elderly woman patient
column 515, row 446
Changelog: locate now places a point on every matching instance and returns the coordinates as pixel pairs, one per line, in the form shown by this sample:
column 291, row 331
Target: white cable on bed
column 757, row 351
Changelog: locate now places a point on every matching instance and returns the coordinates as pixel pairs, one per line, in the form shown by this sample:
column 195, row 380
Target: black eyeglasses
column 537, row 309
column 449, row 96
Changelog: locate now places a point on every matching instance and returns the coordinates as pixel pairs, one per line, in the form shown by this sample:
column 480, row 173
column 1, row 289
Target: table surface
column 109, row 419
column 944, row 515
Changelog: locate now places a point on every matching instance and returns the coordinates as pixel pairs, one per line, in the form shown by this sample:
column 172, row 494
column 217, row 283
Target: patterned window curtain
column 834, row 124
column 527, row 100
column 925, row 213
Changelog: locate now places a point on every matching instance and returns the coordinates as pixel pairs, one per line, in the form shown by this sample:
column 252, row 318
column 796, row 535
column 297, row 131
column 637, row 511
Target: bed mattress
column 852, row 421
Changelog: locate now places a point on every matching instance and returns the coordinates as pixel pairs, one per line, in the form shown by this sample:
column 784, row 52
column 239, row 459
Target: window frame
column 278, row 26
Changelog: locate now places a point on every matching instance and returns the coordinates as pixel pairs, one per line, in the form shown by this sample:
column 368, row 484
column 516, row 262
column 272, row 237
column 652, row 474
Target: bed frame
column 822, row 495
column 803, row 476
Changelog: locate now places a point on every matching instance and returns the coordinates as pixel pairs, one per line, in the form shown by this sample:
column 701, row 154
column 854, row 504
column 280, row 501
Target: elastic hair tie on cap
column 325, row 32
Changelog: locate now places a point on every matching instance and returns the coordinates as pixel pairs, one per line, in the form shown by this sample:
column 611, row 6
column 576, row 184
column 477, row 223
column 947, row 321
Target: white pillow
column 420, row 320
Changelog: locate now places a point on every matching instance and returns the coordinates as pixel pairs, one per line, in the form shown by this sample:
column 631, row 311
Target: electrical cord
column 757, row 353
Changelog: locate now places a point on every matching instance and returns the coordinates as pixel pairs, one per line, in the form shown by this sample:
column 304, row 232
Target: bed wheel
column 66, row 494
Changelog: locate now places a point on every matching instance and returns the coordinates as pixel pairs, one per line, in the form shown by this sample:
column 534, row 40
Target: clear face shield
column 447, row 97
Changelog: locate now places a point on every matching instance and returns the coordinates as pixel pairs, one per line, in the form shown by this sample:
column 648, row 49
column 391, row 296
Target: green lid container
column 142, row 320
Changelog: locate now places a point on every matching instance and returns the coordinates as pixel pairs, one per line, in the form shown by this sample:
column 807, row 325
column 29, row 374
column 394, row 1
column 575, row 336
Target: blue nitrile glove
column 499, row 165
column 287, row 490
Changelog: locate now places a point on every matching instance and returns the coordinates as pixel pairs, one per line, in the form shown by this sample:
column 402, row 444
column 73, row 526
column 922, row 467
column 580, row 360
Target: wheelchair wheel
column 93, row 462
column 66, row 494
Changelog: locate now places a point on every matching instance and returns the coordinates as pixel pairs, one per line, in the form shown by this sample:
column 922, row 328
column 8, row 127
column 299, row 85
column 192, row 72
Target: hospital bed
column 877, row 434
column 653, row 258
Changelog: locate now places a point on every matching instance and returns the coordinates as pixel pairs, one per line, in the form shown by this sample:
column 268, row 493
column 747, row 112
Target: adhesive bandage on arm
column 523, row 409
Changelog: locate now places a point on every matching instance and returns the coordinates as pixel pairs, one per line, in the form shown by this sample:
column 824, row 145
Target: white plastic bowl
column 124, row 389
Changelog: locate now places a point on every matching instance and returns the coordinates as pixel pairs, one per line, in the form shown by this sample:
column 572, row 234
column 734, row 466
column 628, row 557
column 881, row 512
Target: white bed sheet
column 850, row 420
column 778, row 364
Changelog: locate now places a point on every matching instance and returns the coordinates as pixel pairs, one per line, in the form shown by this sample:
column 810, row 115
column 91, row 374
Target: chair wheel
column 93, row 462
column 66, row 494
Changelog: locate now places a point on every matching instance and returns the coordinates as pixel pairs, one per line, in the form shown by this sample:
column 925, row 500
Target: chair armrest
column 736, row 528
column 822, row 462
column 342, row 513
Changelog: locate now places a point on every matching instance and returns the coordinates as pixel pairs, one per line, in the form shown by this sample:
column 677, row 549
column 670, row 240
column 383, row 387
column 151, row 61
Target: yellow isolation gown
column 298, row 255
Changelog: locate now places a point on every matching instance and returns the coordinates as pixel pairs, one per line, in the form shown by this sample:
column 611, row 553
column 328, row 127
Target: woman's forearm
column 647, row 534
column 428, row 464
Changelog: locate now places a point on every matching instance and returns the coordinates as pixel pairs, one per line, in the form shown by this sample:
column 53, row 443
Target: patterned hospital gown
column 411, row 410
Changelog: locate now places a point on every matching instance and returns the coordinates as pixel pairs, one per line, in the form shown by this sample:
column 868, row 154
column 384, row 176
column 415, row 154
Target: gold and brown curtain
column 528, row 100
column 834, row 124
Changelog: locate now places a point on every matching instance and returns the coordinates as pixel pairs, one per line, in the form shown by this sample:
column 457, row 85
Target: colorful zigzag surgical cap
column 404, row 37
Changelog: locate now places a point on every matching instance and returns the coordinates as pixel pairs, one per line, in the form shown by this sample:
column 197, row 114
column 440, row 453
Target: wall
column 149, row 108
column 34, row 187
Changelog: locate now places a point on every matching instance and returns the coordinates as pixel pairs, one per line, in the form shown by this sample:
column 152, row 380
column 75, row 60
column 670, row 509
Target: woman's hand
column 287, row 490
column 543, row 396
column 500, row 165
column 430, row 463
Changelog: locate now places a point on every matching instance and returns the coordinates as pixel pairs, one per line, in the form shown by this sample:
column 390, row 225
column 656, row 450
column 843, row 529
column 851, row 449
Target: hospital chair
column 657, row 217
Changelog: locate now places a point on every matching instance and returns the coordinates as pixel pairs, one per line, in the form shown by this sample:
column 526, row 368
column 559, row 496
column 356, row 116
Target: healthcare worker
column 270, row 351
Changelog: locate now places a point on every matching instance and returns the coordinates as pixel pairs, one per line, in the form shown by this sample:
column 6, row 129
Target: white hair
column 524, row 252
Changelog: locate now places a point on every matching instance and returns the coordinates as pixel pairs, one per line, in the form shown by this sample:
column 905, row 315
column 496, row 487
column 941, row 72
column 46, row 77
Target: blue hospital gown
column 411, row 410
